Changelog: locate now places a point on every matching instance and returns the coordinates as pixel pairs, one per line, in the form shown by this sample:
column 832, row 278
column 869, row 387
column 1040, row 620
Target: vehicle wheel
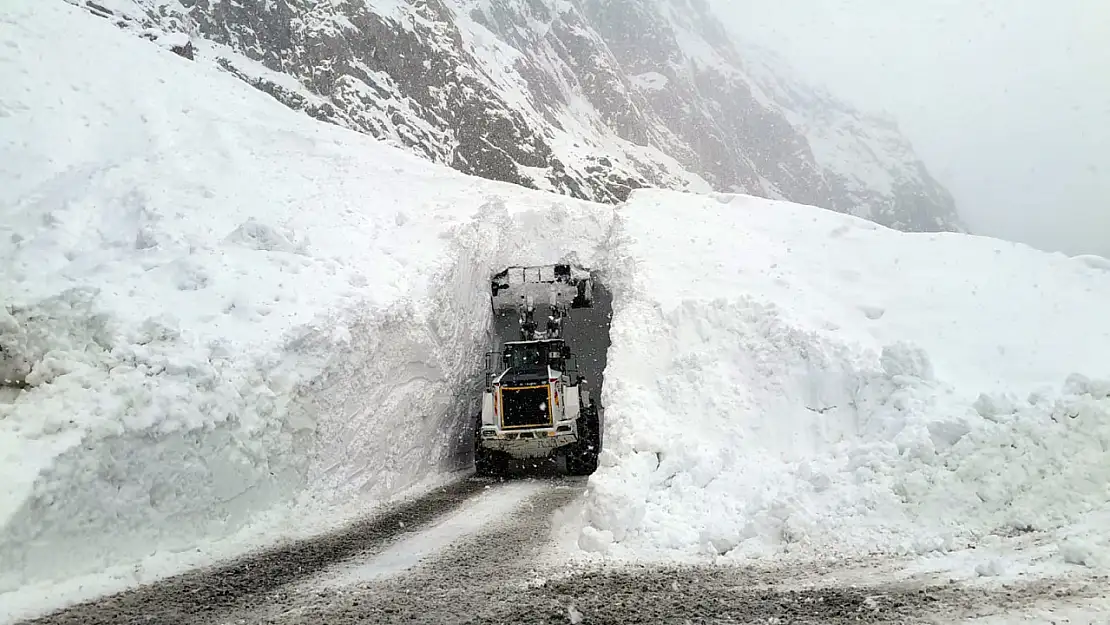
column 582, row 456
column 490, row 463
column 487, row 462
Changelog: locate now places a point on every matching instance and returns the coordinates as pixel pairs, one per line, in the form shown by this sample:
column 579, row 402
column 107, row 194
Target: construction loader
column 536, row 405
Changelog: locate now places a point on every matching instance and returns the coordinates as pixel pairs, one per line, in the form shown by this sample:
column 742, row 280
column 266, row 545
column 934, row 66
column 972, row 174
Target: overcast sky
column 1007, row 101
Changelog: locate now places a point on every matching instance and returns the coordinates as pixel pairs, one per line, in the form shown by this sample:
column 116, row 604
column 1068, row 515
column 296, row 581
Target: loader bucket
column 525, row 287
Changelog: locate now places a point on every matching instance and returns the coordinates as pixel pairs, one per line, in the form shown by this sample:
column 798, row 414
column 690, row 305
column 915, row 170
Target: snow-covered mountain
column 589, row 98
column 224, row 325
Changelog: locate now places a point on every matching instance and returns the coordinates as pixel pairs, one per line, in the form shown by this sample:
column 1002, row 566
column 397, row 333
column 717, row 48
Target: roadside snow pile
column 213, row 307
column 789, row 380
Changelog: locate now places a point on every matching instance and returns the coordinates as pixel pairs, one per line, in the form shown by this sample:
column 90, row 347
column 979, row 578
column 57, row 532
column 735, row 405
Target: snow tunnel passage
column 586, row 332
column 588, row 336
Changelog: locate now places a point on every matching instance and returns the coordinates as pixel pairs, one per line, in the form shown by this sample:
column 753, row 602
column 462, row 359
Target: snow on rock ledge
column 785, row 379
column 216, row 308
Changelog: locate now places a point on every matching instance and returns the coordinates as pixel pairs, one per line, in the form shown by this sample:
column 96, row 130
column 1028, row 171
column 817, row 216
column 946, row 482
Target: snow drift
column 215, row 307
column 788, row 380
column 215, row 311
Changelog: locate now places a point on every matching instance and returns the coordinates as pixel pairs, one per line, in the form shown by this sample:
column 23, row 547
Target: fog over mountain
column 1008, row 103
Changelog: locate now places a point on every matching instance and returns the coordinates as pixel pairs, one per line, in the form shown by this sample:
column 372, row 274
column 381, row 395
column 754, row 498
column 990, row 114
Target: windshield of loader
column 527, row 355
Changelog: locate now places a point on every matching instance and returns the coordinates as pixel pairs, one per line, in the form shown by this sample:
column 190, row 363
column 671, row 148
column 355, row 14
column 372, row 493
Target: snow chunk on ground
column 216, row 309
column 755, row 407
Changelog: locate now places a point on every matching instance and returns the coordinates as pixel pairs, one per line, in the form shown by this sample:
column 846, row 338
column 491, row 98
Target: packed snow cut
column 226, row 324
column 536, row 404
column 789, row 381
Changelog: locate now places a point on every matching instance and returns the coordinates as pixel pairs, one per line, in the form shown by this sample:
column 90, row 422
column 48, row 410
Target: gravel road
column 491, row 574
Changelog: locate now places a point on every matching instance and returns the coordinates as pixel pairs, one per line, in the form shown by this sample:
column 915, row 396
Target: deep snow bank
column 220, row 307
column 786, row 379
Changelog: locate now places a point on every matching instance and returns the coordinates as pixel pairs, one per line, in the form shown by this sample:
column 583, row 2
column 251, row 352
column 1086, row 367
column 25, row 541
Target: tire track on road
column 444, row 588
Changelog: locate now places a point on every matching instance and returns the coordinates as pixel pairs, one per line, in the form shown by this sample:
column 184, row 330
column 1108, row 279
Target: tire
column 487, row 462
column 582, row 456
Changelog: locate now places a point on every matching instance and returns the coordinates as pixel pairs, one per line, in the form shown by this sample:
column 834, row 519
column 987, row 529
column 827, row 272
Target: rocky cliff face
column 590, row 98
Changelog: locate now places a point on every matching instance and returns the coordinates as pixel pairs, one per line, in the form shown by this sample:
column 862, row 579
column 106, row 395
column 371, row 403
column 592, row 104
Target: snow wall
column 784, row 380
column 235, row 324
column 227, row 319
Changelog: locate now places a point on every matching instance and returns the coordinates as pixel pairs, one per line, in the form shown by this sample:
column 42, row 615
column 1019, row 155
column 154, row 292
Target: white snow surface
column 784, row 380
column 220, row 310
column 224, row 323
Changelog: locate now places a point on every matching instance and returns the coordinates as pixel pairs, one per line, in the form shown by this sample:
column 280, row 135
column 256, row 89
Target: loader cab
column 536, row 354
column 528, row 362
